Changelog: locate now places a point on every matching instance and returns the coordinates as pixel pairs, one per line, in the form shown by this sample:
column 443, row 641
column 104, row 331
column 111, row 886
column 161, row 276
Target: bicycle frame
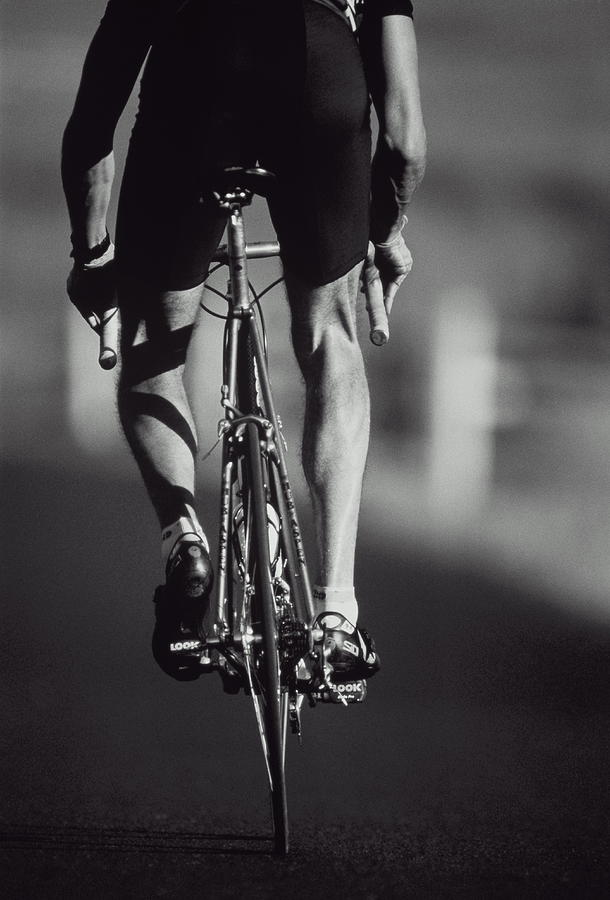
column 259, row 648
column 264, row 429
column 242, row 316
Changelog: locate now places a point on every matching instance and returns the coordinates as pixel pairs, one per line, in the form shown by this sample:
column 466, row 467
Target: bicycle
column 260, row 639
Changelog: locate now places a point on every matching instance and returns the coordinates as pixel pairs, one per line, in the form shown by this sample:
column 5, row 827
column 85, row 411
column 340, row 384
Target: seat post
column 236, row 252
column 234, row 189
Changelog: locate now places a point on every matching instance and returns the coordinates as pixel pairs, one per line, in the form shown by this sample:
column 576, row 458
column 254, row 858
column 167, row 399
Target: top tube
column 256, row 250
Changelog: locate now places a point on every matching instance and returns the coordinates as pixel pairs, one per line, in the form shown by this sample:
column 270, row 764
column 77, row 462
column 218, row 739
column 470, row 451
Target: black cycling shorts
column 277, row 82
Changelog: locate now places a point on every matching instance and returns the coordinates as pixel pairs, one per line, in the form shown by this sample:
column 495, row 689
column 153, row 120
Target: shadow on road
column 481, row 745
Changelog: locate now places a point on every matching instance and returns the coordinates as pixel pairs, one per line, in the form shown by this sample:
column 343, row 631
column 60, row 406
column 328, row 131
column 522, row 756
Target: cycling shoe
column 348, row 649
column 180, row 606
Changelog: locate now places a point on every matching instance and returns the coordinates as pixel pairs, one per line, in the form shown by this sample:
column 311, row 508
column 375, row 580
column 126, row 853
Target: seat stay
column 279, row 461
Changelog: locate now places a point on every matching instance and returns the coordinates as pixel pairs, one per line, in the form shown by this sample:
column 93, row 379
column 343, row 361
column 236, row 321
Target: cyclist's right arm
column 111, row 68
column 390, row 54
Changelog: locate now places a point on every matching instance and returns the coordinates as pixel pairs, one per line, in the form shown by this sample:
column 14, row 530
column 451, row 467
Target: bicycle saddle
column 255, row 180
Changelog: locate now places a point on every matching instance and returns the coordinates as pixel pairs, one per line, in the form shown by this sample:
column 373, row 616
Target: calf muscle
column 336, row 426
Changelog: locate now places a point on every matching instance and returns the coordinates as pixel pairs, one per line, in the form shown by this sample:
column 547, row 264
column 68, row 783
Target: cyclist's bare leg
column 153, row 405
column 336, row 427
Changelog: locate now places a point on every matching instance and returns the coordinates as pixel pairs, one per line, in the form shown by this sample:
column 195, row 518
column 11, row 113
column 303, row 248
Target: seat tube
column 236, row 247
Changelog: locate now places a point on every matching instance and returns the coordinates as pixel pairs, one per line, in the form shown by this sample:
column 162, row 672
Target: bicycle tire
column 265, row 612
column 269, row 655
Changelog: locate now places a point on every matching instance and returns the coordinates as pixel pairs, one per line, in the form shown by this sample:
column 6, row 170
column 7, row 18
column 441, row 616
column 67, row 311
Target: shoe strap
column 341, row 624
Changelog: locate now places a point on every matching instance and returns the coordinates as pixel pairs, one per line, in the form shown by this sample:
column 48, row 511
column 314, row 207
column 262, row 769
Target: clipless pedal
column 345, row 692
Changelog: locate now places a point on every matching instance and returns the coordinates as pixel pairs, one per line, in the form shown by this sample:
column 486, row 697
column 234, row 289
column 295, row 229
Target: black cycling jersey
column 115, row 57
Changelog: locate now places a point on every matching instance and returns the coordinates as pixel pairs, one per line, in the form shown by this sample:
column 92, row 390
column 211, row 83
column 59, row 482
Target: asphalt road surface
column 477, row 766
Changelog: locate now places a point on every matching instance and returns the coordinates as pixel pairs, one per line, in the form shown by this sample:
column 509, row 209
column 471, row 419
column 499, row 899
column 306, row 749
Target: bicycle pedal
column 345, row 692
column 207, row 663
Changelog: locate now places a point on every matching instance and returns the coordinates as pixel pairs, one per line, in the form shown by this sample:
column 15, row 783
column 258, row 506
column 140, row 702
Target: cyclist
column 286, row 84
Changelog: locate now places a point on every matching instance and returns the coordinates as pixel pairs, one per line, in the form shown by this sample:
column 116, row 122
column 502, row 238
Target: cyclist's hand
column 390, row 263
column 92, row 288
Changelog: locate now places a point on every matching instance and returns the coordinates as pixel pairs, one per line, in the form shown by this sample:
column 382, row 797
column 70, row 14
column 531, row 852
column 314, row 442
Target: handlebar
column 108, row 328
column 378, row 319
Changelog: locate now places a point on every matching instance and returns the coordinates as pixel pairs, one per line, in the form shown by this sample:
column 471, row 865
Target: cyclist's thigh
column 156, row 328
column 164, row 242
column 321, row 208
column 323, row 315
column 165, row 234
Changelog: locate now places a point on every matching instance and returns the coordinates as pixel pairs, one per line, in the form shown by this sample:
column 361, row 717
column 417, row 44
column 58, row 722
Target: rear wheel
column 267, row 653
column 261, row 621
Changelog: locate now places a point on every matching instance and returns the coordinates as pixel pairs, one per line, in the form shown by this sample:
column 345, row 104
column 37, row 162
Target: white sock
column 186, row 528
column 336, row 599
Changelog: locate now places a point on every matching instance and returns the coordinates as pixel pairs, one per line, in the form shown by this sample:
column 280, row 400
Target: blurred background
column 486, row 512
column 491, row 425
